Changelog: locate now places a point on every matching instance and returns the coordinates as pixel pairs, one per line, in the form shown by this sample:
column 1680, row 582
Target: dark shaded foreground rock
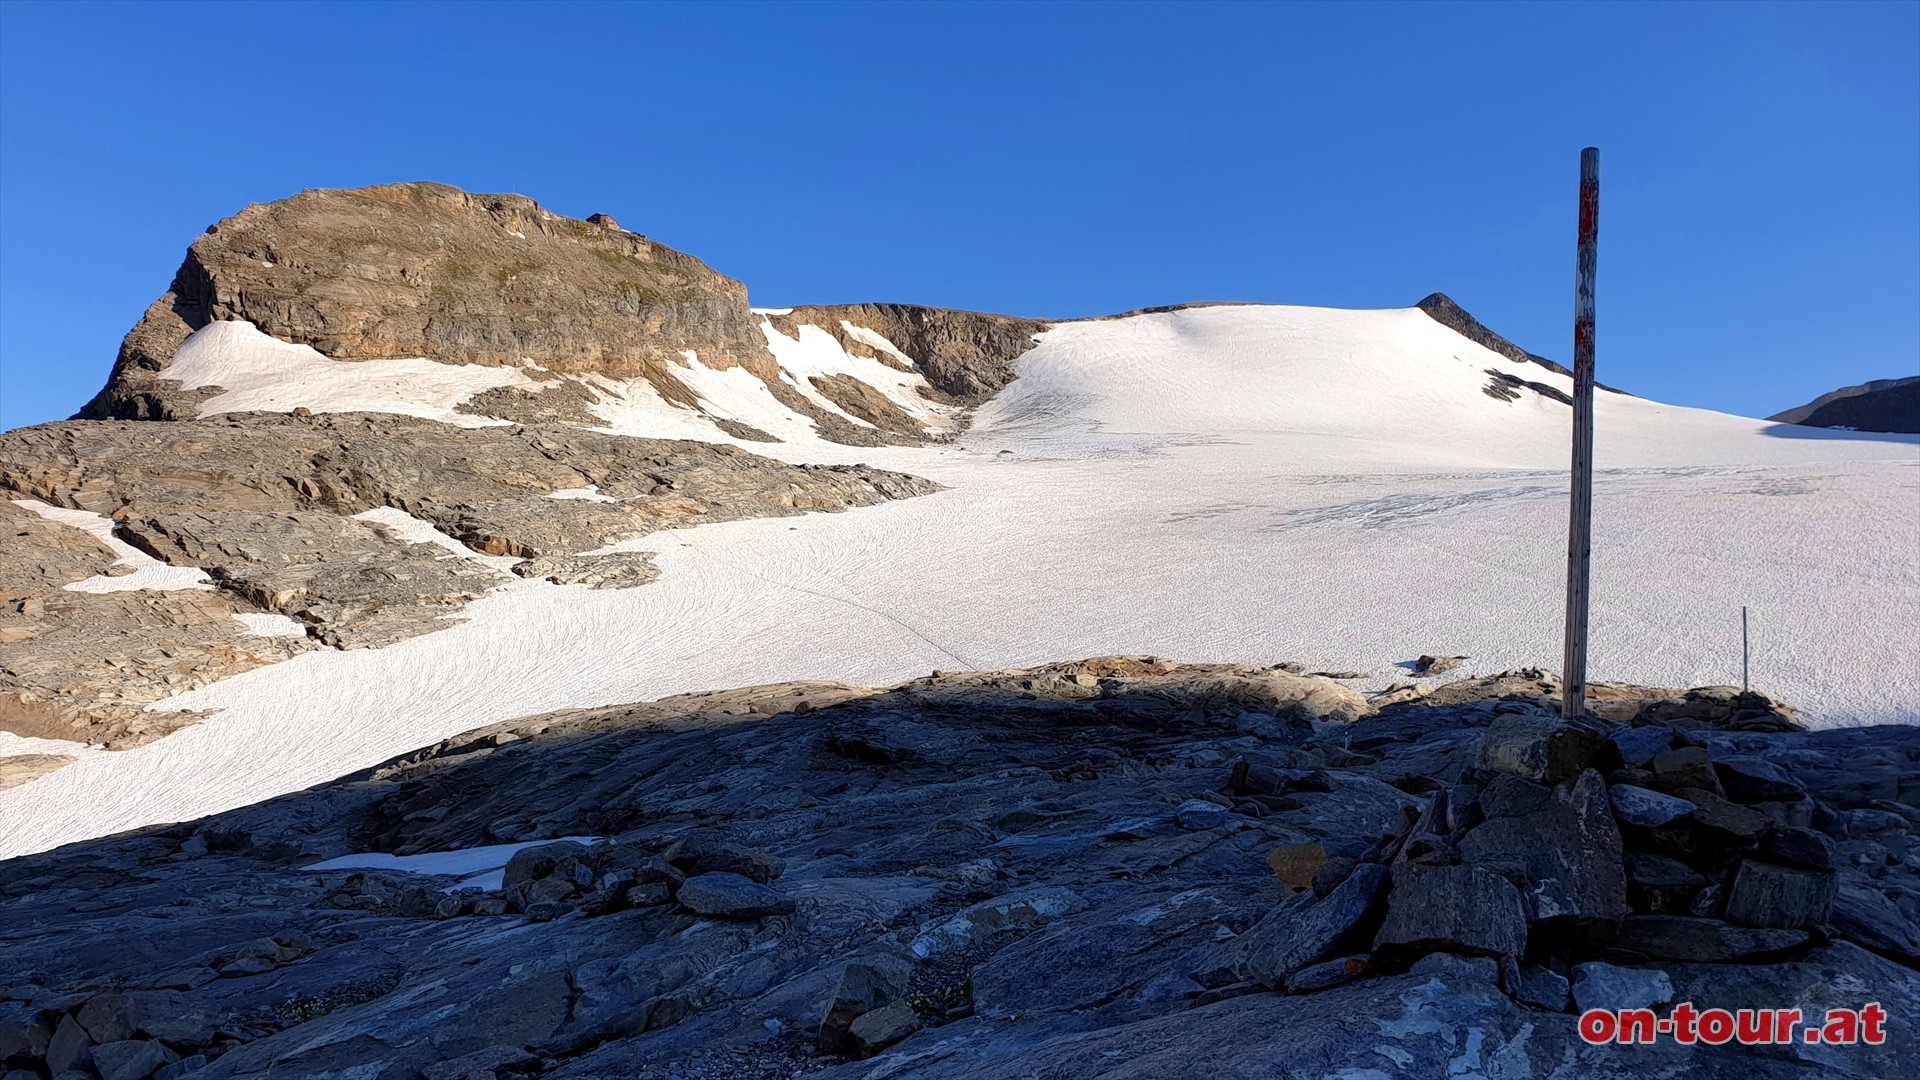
column 981, row 874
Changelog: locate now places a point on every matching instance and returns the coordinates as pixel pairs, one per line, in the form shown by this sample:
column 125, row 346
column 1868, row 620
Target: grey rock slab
column 1608, row 986
column 1753, row 780
column 1539, row 749
column 1645, row 808
column 1799, row 847
column 732, row 896
column 1684, row 937
column 1864, row 914
column 1305, row 930
column 131, row 1059
column 1465, row 909
column 878, row 1029
column 1112, row 952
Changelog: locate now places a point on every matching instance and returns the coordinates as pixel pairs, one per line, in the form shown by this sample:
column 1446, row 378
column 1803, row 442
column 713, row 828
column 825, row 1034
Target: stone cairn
column 1568, row 849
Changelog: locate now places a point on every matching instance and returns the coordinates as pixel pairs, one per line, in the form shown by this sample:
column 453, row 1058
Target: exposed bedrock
column 275, row 510
column 1123, row 866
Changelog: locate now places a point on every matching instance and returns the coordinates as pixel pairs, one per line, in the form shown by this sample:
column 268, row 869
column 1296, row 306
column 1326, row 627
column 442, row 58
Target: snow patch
column 270, row 624
column 259, row 373
column 413, row 530
column 590, row 493
column 148, row 572
column 482, row 867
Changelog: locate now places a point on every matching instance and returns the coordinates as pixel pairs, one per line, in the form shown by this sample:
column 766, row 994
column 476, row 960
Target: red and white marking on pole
column 1573, row 679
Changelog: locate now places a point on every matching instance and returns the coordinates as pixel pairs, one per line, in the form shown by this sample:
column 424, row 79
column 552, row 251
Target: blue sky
column 1760, row 162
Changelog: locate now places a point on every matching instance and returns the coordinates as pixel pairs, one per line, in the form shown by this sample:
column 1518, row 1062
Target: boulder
column 1683, row 768
column 1305, row 930
column 732, row 896
column 1723, row 823
column 1466, row 909
column 1638, row 747
column 69, row 1049
column 1754, row 780
column 531, row 864
column 1328, row 973
column 871, row 982
column 1763, row 894
column 877, row 1029
column 24, row 1030
column 1200, row 815
column 1608, row 986
column 1798, row 847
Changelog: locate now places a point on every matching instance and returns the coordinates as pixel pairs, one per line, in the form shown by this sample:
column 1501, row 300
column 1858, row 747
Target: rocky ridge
column 1880, row 405
column 1124, row 866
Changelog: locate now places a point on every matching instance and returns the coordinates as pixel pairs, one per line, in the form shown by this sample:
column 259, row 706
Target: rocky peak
column 428, row 270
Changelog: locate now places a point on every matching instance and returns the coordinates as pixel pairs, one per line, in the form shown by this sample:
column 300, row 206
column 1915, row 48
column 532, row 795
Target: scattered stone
column 866, row 984
column 877, row 1029
column 1647, row 809
column 1199, row 815
column 1328, row 973
column 1607, row 986
column 529, row 865
column 1436, row 665
column 732, row 896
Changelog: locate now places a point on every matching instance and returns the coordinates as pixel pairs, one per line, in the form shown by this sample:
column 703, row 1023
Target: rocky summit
column 1123, row 867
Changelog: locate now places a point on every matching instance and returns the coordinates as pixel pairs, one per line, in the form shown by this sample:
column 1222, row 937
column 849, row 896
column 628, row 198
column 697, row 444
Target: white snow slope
column 1224, row 483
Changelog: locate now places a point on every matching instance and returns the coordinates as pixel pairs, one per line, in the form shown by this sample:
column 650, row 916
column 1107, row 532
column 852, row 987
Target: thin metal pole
column 1745, row 670
column 1573, row 680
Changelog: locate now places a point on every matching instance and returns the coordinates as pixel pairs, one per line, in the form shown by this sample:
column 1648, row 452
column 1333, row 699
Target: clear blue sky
column 1760, row 162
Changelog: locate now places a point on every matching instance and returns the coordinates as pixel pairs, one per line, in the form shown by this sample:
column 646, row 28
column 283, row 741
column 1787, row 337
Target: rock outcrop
column 428, row 270
column 319, row 520
column 966, row 355
column 1005, row 874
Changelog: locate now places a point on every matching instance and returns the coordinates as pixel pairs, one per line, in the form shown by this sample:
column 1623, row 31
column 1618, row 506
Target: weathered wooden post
column 1745, row 669
column 1573, row 679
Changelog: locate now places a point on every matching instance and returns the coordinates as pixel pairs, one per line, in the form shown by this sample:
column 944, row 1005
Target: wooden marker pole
column 1746, row 671
column 1573, row 680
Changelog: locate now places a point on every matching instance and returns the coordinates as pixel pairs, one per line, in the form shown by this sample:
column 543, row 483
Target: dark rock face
column 975, row 874
column 1891, row 405
column 406, row 270
column 968, row 356
column 1444, row 311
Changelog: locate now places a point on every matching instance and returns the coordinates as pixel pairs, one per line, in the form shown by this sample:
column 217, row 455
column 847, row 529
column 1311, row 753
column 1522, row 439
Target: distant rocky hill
column 1891, row 405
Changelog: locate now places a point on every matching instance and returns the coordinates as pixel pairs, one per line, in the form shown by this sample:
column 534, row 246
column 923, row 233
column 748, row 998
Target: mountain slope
column 1889, row 405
